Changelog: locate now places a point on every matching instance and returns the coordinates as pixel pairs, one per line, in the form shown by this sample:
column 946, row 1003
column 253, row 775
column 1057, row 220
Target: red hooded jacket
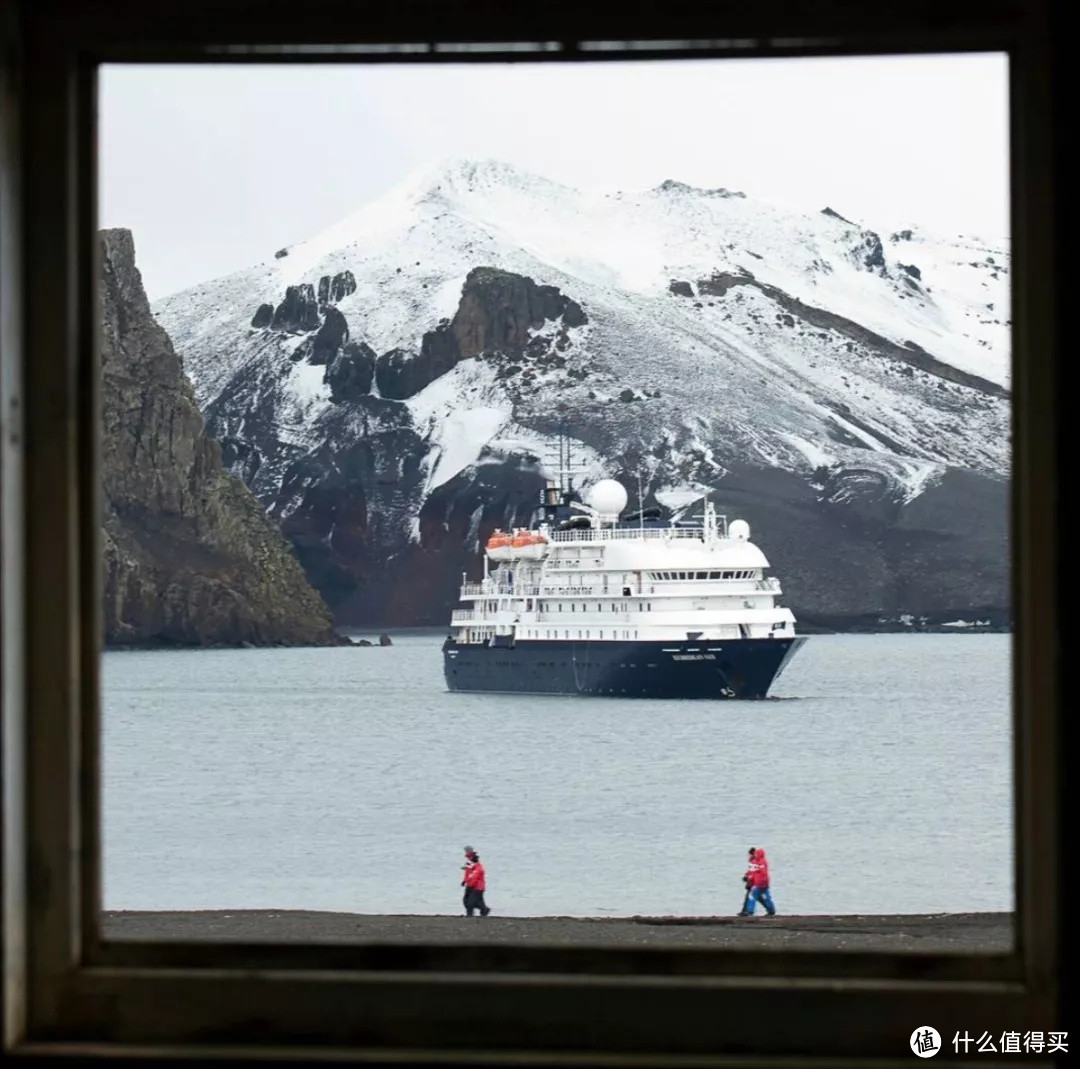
column 474, row 875
column 758, row 873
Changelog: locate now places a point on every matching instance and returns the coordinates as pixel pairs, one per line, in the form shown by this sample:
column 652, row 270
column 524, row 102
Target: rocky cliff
column 190, row 557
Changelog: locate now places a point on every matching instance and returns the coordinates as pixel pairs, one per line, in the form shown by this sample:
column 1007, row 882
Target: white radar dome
column 739, row 529
column 608, row 497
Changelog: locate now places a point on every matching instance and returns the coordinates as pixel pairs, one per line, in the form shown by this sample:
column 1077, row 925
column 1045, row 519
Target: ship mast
column 640, row 504
column 562, row 465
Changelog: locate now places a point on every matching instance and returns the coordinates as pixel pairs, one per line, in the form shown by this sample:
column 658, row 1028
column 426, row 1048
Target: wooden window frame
column 69, row 991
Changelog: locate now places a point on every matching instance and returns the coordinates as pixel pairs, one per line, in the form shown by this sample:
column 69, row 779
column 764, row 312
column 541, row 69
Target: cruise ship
column 588, row 600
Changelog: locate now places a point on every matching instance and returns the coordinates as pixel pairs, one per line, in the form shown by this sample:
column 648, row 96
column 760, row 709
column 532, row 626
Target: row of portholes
column 702, row 575
column 535, row 632
column 599, row 607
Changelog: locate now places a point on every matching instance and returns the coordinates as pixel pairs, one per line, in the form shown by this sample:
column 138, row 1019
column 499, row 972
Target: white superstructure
column 614, row 581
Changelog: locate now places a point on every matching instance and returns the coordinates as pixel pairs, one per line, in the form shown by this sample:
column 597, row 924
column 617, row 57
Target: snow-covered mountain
column 387, row 387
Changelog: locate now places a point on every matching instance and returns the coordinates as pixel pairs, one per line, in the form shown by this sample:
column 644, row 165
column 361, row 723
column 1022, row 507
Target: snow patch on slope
column 459, row 415
column 306, row 383
column 814, row 454
column 677, row 498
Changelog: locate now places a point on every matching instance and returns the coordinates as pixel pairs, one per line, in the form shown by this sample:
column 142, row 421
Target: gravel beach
column 974, row 933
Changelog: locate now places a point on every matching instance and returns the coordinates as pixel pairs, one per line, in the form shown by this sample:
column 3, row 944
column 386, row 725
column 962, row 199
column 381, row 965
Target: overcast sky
column 214, row 167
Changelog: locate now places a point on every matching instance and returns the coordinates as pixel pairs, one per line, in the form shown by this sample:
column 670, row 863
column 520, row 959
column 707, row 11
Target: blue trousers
column 760, row 894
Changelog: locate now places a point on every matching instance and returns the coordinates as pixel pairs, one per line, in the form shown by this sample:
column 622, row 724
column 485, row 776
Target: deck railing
column 620, row 534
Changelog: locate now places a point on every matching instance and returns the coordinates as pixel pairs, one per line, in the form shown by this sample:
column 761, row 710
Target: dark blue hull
column 728, row 668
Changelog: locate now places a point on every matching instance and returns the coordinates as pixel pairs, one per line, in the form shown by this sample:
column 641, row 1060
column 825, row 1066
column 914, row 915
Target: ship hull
column 729, row 668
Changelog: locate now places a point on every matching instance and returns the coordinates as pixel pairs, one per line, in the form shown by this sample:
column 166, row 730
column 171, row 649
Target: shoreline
column 934, row 933
column 354, row 640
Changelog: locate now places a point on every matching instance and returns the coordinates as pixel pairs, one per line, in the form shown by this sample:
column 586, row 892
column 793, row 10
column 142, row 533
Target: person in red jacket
column 757, row 879
column 474, row 884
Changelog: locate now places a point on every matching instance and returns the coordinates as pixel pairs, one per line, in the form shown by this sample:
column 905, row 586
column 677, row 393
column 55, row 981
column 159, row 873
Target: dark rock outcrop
column 835, row 215
column 263, row 317
column 333, row 289
column 680, row 288
column 495, row 315
column 869, row 252
column 400, row 374
column 341, row 285
column 350, row 373
column 190, row 557
column 299, row 311
column 498, row 308
column 331, row 336
column 670, row 185
column 496, row 312
column 721, row 282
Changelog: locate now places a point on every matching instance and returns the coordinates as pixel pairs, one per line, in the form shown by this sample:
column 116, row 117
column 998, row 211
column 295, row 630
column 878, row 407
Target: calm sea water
column 879, row 781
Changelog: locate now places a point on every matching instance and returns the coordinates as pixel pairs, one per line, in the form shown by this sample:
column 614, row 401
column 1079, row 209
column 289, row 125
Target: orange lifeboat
column 500, row 545
column 529, row 545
